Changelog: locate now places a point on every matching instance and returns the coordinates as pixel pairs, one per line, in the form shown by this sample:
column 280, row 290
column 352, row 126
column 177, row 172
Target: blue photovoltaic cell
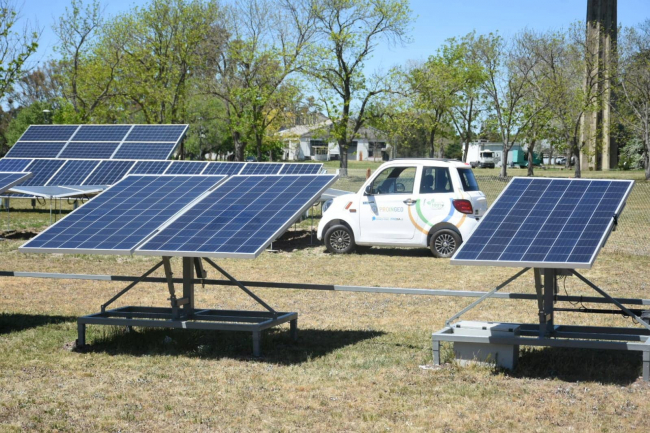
column 171, row 133
column 74, row 172
column 101, row 132
column 261, row 168
column 122, row 216
column 186, row 167
column 42, row 170
column 240, row 218
column 7, row 180
column 14, row 165
column 546, row 223
column 89, row 150
column 151, row 167
column 109, row 172
column 49, row 133
column 144, row 151
column 34, row 149
column 227, row 168
column 301, row 168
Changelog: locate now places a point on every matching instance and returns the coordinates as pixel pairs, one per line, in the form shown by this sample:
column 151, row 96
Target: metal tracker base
column 583, row 337
column 213, row 320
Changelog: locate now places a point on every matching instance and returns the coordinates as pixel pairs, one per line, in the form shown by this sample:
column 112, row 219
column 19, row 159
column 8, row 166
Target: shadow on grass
column 15, row 322
column 579, row 365
column 277, row 346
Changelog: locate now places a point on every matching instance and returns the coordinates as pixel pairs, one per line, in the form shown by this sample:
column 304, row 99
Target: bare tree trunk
column 646, row 159
column 432, row 142
column 504, row 161
column 239, row 146
column 531, row 147
column 258, row 143
column 578, row 173
column 441, row 153
column 343, row 150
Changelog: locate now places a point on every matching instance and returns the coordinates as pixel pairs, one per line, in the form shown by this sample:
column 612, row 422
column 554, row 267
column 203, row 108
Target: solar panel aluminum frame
column 62, row 191
column 550, row 265
column 140, row 252
column 7, row 187
column 129, row 251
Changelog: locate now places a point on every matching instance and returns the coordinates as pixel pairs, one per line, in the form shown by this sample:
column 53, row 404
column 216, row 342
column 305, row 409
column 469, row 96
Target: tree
column 254, row 72
column 633, row 107
column 508, row 67
column 348, row 31
column 16, row 45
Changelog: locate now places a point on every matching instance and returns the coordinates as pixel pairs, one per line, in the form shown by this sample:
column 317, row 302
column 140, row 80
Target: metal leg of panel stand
column 550, row 280
column 294, row 329
column 257, row 336
column 646, row 366
column 50, row 210
column 436, row 352
column 81, row 334
column 188, row 285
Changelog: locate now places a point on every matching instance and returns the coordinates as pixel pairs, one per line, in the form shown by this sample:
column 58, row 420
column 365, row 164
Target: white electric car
column 406, row 203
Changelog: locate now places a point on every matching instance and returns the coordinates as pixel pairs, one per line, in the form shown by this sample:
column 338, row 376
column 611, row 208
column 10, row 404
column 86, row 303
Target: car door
column 435, row 201
column 383, row 215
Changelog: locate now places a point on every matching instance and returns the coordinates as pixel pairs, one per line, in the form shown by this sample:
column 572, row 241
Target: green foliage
column 454, row 150
column 631, row 155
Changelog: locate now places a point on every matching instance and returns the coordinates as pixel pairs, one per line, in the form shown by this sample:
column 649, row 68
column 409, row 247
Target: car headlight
column 327, row 204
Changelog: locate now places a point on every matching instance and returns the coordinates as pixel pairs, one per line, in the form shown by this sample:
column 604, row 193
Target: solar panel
column 301, row 168
column 240, row 218
column 49, row 132
column 101, row 132
column 7, row 180
column 186, row 167
column 14, row 165
column 74, row 172
column 227, row 168
column 109, row 172
column 151, row 167
column 261, row 168
column 42, row 170
column 89, row 150
column 35, row 149
column 117, row 220
column 171, row 133
column 546, row 223
column 52, row 191
column 145, row 151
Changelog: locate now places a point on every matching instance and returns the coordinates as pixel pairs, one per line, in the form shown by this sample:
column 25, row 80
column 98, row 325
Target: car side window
column 394, row 180
column 435, row 180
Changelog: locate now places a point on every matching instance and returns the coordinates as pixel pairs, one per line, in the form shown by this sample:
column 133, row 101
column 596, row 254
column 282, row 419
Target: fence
column 631, row 237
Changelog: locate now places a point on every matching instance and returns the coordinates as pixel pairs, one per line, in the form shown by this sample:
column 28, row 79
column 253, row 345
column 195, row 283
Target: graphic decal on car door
column 418, row 207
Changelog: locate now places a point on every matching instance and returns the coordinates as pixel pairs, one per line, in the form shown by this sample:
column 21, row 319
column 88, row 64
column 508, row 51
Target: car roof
column 435, row 162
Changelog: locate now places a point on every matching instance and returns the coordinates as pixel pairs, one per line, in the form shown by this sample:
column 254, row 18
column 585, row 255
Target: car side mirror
column 368, row 190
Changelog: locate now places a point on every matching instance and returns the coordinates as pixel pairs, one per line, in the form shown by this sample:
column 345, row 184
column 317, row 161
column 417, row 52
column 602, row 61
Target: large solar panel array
column 120, row 218
column 186, row 215
column 8, row 179
column 546, row 223
column 98, row 141
column 240, row 218
column 7, row 164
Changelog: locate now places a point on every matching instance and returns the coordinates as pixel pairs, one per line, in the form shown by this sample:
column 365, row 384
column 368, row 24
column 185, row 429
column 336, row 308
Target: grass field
column 357, row 365
column 362, row 361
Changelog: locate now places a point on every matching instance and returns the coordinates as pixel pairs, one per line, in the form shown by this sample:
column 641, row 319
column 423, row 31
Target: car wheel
column 339, row 240
column 444, row 243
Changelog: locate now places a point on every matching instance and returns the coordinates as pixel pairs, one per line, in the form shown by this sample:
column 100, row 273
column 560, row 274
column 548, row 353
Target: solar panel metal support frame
column 549, row 334
column 182, row 313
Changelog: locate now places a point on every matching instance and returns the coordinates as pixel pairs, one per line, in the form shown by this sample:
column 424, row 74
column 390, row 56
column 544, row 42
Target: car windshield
column 467, row 179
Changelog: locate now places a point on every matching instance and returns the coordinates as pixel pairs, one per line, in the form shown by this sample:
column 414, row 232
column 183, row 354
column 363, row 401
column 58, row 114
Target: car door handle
column 410, row 202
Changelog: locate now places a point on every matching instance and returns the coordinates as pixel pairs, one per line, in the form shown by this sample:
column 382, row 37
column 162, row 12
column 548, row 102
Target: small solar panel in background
column 150, row 167
column 42, row 170
column 227, row 168
column 261, row 168
column 101, row 133
column 35, row 149
column 74, row 172
column 14, row 165
column 144, row 151
column 49, row 133
column 109, row 172
column 301, row 168
column 89, row 150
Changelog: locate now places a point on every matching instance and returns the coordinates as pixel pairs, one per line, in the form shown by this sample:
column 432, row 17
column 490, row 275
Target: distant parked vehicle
column 251, row 159
column 485, row 160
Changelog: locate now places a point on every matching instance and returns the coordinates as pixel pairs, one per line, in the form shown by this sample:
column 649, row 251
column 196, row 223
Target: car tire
column 339, row 239
column 444, row 243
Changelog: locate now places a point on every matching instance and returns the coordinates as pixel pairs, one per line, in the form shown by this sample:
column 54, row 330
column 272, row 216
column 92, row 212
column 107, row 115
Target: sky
column 434, row 22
